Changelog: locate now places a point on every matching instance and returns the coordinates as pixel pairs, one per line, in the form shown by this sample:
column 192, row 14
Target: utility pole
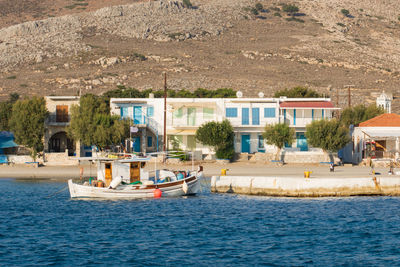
column 337, row 103
column 349, row 94
column 165, row 113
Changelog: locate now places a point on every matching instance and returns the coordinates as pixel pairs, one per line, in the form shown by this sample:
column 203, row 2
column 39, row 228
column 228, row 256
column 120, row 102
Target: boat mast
column 165, row 115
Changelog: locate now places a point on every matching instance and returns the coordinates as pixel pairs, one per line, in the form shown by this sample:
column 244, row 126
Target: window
column 178, row 113
column 269, row 112
column 231, row 112
column 150, row 111
column 208, row 113
column 260, row 141
column 149, row 141
column 288, row 145
column 124, row 112
column 61, row 113
column 191, row 116
column 245, row 116
column 255, row 116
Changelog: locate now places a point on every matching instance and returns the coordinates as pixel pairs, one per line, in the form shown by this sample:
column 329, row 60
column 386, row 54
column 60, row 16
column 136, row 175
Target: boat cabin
column 130, row 170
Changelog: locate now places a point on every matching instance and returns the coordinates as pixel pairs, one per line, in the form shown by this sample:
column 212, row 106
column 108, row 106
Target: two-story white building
column 248, row 117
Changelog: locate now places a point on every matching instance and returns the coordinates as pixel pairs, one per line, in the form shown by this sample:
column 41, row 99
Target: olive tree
column 92, row 124
column 355, row 115
column 27, row 123
column 329, row 135
column 218, row 135
column 277, row 135
column 6, row 111
column 298, row 92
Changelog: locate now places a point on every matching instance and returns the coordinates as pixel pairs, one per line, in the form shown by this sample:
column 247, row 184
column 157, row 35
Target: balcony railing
column 62, row 119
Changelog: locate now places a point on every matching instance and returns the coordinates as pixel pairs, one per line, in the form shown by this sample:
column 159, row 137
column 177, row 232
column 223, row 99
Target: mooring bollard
column 223, row 172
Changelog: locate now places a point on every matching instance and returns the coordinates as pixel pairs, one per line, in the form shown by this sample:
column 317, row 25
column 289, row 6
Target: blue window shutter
column 312, row 114
column 245, row 116
column 231, row 112
column 149, row 141
column 294, row 116
column 269, row 112
column 124, row 112
column 255, row 116
column 150, row 111
column 323, row 115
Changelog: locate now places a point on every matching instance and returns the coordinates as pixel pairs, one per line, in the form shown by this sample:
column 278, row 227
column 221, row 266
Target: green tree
column 357, row 114
column 218, row 135
column 27, row 123
column 299, row 92
column 277, row 135
column 290, row 9
column 329, row 135
column 6, row 110
column 92, row 124
column 259, row 7
column 345, row 12
column 187, row 3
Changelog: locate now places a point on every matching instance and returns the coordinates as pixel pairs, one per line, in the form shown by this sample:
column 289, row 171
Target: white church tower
column 385, row 101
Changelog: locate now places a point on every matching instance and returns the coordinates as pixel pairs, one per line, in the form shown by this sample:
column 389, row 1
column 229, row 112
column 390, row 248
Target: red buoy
column 157, row 193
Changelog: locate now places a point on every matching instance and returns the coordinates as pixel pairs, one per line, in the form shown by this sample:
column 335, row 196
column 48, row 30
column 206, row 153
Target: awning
column 181, row 132
column 307, row 105
column 202, row 104
column 7, row 140
column 382, row 133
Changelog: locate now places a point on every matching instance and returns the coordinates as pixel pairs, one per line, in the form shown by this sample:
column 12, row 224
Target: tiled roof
column 307, row 104
column 384, row 120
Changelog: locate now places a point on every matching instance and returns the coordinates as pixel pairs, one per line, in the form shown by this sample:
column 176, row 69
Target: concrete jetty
column 307, row 187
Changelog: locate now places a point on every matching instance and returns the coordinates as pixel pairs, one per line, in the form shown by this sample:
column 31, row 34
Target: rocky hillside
column 326, row 45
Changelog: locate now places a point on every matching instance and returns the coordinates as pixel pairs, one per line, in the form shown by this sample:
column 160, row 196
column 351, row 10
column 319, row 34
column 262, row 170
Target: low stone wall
column 60, row 159
column 291, row 157
column 306, row 187
column 21, row 159
column 306, row 157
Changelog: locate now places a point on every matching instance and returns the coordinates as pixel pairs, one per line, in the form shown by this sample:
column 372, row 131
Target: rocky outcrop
column 158, row 20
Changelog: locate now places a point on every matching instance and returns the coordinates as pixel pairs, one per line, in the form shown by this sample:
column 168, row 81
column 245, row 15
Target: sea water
column 38, row 227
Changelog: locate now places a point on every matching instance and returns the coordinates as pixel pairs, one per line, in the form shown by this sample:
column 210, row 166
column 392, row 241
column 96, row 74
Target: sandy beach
column 237, row 168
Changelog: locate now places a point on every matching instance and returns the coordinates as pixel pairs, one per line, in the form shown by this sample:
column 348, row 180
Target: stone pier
column 306, row 187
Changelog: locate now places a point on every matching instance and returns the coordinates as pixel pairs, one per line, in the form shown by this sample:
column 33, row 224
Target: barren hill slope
column 215, row 44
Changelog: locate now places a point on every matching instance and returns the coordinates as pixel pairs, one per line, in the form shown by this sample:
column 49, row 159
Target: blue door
column 136, row 144
column 302, row 142
column 245, row 116
column 245, row 143
column 137, row 115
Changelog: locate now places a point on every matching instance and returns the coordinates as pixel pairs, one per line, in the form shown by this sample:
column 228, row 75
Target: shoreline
column 63, row 172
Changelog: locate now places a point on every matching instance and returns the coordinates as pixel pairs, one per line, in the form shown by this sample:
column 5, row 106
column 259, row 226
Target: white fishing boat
column 127, row 179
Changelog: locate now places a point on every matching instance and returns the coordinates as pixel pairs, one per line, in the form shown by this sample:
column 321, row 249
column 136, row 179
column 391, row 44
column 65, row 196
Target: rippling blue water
column 210, row 229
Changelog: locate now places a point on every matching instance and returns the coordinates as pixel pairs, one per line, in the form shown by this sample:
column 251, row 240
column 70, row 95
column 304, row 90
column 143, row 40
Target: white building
column 385, row 101
column 248, row 117
column 377, row 138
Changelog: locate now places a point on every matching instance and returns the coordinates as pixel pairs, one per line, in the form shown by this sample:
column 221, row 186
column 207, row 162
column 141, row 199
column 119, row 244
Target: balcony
column 60, row 120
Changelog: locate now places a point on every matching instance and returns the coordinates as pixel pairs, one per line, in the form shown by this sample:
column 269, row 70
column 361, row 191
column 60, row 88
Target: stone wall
column 60, row 159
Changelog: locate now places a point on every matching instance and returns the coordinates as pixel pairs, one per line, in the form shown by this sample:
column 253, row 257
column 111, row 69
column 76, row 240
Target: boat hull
column 172, row 189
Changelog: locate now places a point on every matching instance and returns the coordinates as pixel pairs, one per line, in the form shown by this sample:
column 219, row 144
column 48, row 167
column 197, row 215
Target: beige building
column 57, row 145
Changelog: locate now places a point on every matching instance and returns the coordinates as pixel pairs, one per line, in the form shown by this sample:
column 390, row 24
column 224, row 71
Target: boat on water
column 126, row 178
